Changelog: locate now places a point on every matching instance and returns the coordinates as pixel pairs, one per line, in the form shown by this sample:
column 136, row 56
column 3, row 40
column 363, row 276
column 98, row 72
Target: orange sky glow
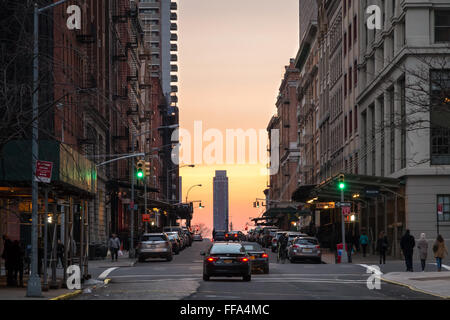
column 232, row 55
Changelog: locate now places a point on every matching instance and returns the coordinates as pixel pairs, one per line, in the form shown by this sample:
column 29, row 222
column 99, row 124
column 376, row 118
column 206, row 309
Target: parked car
column 197, row 237
column 303, row 248
column 226, row 259
column 267, row 235
column 295, row 234
column 219, row 235
column 234, row 236
column 258, row 257
column 174, row 238
column 188, row 235
column 154, row 245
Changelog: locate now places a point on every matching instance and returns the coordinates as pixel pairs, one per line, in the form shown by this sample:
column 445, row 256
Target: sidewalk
column 357, row 258
column 122, row 262
column 13, row 293
column 432, row 283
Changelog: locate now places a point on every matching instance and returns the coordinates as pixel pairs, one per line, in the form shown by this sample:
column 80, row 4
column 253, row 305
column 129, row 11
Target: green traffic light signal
column 342, row 185
column 140, row 174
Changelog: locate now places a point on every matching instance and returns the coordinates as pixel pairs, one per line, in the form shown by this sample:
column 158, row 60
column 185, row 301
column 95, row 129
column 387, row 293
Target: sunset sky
column 231, row 55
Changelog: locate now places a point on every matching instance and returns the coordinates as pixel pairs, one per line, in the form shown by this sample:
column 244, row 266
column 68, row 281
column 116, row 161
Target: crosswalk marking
column 106, row 273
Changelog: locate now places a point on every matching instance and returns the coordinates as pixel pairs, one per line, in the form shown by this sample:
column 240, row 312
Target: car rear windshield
column 252, row 247
column 226, row 248
column 307, row 242
column 220, row 233
column 154, row 238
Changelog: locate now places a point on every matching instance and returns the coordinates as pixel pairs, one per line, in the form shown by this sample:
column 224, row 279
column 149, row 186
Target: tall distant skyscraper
column 221, row 200
column 159, row 23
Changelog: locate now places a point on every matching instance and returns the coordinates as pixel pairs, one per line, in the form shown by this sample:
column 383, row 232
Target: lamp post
column 34, row 283
column 133, row 142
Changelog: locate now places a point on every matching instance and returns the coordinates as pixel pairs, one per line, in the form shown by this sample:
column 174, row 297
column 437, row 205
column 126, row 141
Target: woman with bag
column 422, row 245
column 382, row 247
column 440, row 251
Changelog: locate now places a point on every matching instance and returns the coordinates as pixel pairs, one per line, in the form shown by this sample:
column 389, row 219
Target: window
column 442, row 26
column 349, row 37
column 440, row 117
column 355, row 27
column 444, row 207
column 345, row 43
column 350, row 82
column 355, row 70
column 345, row 85
column 350, row 121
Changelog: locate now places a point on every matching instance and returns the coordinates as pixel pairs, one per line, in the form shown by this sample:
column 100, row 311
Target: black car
column 226, row 259
column 234, row 236
column 258, row 257
column 219, row 235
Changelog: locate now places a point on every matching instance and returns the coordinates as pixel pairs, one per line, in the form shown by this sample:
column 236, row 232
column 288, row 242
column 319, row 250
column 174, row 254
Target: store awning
column 356, row 186
column 71, row 170
column 302, row 194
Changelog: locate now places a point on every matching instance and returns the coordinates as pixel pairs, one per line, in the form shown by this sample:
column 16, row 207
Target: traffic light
column 140, row 169
column 341, row 183
column 200, row 206
column 147, row 169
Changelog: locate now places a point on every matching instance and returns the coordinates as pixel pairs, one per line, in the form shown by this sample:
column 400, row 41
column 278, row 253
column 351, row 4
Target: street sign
column 343, row 204
column 325, row 205
column 346, row 211
column 44, row 171
column 372, row 191
column 440, row 209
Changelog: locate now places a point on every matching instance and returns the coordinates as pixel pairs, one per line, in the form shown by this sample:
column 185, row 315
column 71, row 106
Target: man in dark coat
column 8, row 256
column 407, row 244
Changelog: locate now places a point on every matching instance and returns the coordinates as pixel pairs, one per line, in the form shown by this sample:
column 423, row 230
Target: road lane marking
column 443, row 266
column 371, row 269
column 106, row 273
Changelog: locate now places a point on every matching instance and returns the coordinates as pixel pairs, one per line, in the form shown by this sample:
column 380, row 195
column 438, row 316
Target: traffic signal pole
column 344, row 257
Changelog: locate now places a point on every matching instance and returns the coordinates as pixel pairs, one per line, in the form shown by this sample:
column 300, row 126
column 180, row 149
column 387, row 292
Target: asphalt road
column 182, row 279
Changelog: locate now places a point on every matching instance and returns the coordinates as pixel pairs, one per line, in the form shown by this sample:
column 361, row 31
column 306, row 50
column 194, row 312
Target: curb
column 67, row 296
column 415, row 289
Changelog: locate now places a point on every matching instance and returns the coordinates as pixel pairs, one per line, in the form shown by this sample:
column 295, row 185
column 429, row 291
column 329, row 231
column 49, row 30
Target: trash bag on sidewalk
column 119, row 253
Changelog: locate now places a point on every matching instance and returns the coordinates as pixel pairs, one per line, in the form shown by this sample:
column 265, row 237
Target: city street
column 182, row 279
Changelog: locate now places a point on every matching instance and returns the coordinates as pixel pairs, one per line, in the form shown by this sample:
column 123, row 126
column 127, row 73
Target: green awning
column 70, row 168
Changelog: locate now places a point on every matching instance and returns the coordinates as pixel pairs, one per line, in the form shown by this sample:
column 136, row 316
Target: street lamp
column 34, row 283
column 187, row 193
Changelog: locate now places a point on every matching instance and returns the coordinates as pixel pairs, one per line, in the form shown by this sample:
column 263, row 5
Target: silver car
column 154, row 245
column 303, row 248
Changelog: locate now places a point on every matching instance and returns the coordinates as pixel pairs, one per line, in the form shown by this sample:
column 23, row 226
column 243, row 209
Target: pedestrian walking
column 440, row 251
column 60, row 249
column 407, row 244
column 114, row 246
column 349, row 246
column 7, row 255
column 422, row 246
column 382, row 246
column 18, row 254
column 364, row 241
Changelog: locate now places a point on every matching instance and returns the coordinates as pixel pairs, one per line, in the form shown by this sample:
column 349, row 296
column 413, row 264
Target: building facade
column 220, row 201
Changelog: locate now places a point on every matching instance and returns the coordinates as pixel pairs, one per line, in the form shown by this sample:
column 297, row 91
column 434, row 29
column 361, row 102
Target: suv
column 234, row 236
column 154, row 245
column 220, row 235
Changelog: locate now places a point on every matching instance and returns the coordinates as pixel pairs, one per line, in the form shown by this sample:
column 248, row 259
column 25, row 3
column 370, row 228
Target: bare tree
column 202, row 229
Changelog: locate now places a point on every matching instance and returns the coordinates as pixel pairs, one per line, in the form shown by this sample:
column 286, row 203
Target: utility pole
column 344, row 257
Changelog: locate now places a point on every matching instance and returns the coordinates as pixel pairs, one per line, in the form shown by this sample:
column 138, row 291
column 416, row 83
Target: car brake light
column 244, row 259
column 235, row 235
column 265, row 255
column 296, row 246
column 274, row 240
column 211, row 259
column 317, row 247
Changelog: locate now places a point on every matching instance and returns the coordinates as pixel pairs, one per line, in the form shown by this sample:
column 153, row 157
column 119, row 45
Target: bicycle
column 282, row 255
